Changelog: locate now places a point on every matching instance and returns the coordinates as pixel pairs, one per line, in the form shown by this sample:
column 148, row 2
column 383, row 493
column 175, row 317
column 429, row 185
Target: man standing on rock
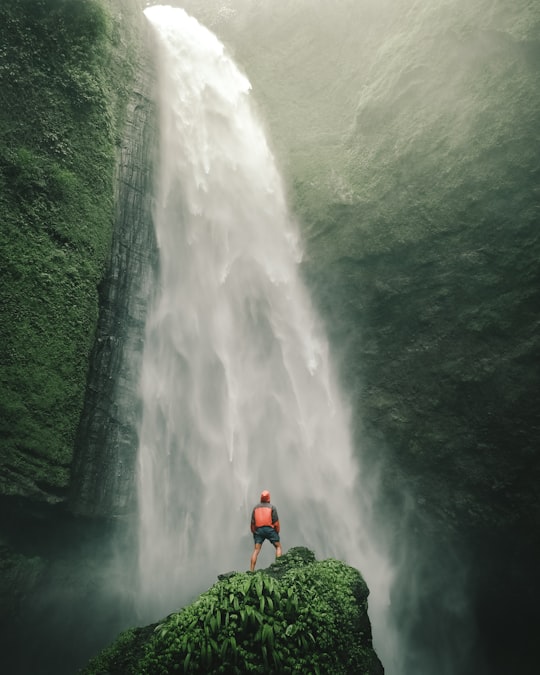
column 264, row 525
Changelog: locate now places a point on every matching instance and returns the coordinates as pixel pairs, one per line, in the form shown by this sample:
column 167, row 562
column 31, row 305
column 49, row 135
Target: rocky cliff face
column 78, row 254
column 102, row 482
column 74, row 173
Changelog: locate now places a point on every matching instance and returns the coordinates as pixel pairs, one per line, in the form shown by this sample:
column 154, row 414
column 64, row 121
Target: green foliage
column 299, row 616
column 61, row 112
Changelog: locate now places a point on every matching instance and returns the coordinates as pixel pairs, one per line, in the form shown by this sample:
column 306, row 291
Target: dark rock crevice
column 104, row 462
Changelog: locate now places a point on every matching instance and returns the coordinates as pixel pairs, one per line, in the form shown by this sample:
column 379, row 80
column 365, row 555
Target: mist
column 380, row 106
column 394, row 140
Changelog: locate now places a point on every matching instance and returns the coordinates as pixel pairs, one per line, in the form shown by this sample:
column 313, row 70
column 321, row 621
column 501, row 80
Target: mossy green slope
column 61, row 112
column 297, row 616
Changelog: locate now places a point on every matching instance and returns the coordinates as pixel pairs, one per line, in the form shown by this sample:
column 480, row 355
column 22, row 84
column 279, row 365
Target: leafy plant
column 298, row 616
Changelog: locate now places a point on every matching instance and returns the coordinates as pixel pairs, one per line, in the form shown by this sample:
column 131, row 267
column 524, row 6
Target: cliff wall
column 78, row 254
column 408, row 139
column 74, row 168
column 102, row 480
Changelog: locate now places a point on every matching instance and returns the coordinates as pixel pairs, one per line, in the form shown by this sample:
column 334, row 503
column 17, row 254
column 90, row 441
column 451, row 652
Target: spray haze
column 237, row 384
column 394, row 122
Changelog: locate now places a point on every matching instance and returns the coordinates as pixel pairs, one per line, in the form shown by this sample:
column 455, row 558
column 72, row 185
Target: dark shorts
column 265, row 532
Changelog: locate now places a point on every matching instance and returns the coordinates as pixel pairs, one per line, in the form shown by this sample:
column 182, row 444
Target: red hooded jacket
column 264, row 514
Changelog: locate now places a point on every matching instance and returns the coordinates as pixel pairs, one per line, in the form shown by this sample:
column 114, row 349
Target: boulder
column 298, row 615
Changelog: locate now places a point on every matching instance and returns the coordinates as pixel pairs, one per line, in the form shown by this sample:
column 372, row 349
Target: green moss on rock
column 63, row 86
column 297, row 616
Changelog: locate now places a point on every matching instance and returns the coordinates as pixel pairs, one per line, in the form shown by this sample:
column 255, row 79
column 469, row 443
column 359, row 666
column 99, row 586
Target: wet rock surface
column 103, row 469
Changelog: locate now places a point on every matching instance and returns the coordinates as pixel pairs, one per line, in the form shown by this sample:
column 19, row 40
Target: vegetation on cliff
column 60, row 115
column 297, row 616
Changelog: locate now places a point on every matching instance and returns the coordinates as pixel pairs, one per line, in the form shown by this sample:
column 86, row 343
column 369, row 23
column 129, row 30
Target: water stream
column 238, row 388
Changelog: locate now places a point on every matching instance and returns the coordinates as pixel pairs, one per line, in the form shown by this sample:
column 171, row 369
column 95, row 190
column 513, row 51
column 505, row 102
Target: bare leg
column 278, row 549
column 254, row 556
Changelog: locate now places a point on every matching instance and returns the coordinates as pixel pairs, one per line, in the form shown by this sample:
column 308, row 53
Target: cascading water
column 237, row 386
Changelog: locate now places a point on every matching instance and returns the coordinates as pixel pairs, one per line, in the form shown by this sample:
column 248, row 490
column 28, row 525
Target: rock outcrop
column 299, row 615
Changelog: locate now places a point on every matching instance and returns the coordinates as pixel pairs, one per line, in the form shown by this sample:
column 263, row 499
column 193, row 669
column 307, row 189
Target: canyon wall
column 408, row 138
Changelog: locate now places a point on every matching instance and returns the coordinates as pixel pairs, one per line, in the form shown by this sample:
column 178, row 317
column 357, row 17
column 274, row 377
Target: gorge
column 407, row 137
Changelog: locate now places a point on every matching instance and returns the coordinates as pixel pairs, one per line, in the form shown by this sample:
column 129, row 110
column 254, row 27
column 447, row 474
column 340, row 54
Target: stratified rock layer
column 103, row 469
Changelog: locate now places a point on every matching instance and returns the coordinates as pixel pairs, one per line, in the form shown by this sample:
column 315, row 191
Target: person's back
column 264, row 525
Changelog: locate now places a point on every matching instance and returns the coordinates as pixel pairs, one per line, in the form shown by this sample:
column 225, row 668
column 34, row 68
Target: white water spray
column 237, row 386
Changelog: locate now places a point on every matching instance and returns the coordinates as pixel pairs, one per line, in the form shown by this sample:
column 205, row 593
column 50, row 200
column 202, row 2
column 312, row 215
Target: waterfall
column 237, row 384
